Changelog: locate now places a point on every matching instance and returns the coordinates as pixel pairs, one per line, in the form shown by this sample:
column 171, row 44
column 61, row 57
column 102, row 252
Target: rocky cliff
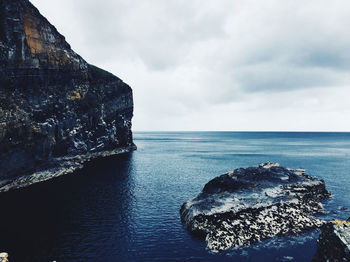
column 56, row 110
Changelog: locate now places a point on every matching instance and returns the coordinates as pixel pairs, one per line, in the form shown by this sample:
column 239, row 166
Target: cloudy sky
column 219, row 64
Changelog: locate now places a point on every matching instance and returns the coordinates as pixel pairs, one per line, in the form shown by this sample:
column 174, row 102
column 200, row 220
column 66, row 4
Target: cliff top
column 28, row 40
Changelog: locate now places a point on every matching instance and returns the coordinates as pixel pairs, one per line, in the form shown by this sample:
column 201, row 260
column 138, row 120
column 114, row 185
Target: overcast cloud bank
column 219, row 65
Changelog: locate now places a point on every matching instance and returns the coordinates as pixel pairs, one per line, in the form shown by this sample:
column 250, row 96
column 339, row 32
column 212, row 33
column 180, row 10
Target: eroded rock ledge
column 61, row 166
column 250, row 204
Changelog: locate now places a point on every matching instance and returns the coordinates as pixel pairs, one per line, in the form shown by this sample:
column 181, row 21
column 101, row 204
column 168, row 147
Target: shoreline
column 64, row 166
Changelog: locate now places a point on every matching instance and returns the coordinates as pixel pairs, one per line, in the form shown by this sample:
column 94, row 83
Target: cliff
column 56, row 110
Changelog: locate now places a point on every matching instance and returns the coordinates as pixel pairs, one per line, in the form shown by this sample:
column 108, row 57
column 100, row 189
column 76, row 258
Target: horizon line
column 244, row 131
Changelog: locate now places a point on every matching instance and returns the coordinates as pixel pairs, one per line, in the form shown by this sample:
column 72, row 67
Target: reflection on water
column 74, row 218
column 126, row 208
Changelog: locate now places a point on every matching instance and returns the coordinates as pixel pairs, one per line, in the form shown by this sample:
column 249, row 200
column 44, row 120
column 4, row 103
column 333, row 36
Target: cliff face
column 56, row 110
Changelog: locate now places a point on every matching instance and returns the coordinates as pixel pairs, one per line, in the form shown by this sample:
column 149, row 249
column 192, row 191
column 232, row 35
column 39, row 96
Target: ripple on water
column 126, row 208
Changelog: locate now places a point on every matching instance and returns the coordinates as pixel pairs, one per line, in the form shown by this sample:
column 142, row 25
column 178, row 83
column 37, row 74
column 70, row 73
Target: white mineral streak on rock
column 274, row 192
column 268, row 165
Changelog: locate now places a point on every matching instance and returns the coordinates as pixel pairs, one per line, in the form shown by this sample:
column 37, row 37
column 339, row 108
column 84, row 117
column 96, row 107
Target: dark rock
column 334, row 242
column 255, row 203
column 56, row 110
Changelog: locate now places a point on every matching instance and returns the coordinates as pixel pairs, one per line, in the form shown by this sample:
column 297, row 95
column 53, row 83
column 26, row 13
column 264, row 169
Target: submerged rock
column 56, row 110
column 250, row 204
column 334, row 242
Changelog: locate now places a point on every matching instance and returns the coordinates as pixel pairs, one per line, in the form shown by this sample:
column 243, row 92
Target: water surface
column 126, row 208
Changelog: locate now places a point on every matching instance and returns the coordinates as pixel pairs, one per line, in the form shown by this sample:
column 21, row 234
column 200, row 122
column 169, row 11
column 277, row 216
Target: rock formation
column 255, row 203
column 56, row 110
column 3, row 257
column 334, row 242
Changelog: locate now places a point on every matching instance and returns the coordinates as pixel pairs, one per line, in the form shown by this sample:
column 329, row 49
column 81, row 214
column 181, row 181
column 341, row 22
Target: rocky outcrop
column 250, row 204
column 3, row 257
column 334, row 242
column 56, row 110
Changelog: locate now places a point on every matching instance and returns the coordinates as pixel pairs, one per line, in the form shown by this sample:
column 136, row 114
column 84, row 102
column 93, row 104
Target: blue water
column 126, row 208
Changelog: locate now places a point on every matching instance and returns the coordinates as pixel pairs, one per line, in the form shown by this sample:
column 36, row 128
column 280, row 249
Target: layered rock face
column 247, row 205
column 56, row 110
column 334, row 242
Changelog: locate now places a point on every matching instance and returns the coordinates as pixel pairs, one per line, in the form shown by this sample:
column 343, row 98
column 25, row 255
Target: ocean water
column 126, row 208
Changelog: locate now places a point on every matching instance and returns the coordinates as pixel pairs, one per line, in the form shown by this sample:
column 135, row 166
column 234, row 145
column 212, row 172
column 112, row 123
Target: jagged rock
column 250, row 204
column 3, row 257
column 334, row 242
column 56, row 110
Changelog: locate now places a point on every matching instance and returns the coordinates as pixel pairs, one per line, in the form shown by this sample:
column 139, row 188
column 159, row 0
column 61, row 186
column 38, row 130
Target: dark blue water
column 126, row 208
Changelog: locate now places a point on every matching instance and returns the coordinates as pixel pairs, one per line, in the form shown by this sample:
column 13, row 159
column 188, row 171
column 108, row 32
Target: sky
column 219, row 65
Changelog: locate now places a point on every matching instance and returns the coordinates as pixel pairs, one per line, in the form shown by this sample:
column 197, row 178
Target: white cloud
column 219, row 65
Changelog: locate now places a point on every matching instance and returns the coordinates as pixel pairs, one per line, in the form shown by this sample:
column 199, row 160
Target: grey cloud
column 188, row 57
column 322, row 54
column 282, row 78
column 159, row 33
column 326, row 57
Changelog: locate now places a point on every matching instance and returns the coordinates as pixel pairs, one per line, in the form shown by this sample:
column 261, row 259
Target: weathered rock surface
column 255, row 203
column 334, row 242
column 56, row 110
column 3, row 257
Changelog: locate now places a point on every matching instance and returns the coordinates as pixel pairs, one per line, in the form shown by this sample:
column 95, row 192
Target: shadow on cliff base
column 52, row 220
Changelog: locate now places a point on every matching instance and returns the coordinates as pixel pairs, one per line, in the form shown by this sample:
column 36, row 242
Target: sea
column 126, row 207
